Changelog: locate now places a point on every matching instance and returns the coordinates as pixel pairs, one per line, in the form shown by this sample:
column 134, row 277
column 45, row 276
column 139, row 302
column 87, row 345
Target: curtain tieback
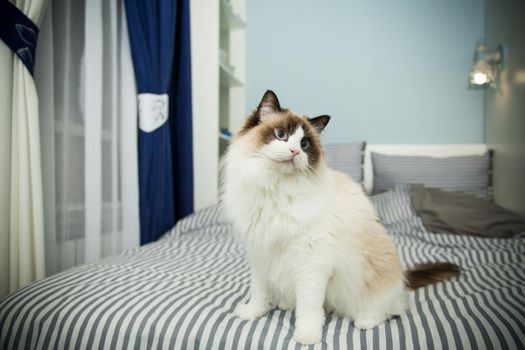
column 19, row 33
column 153, row 111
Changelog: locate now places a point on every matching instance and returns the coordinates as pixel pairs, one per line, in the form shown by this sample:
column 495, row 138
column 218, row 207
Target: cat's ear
column 269, row 105
column 320, row 122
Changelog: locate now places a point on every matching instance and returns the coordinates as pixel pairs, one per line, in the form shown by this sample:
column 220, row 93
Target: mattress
column 179, row 293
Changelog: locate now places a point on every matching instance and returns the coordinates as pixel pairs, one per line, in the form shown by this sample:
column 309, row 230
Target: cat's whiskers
column 309, row 169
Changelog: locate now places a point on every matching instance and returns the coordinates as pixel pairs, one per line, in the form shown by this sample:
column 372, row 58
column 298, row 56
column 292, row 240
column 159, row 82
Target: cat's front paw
column 249, row 311
column 285, row 306
column 364, row 323
column 308, row 335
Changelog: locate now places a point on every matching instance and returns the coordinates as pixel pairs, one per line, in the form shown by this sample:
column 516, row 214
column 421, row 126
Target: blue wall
column 386, row 71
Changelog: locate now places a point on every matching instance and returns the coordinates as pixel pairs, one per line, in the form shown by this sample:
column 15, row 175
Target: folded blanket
column 462, row 213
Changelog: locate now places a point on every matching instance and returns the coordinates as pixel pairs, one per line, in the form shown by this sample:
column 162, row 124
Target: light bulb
column 480, row 78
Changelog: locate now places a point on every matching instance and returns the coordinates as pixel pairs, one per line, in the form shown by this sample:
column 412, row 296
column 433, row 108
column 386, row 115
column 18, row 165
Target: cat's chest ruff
column 263, row 203
column 278, row 223
column 277, row 210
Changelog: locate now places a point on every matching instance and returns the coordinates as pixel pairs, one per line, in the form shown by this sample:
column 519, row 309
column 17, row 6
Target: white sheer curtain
column 26, row 219
column 85, row 79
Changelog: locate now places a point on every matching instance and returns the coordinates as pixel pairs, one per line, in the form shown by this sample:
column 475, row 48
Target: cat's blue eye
column 280, row 134
column 305, row 144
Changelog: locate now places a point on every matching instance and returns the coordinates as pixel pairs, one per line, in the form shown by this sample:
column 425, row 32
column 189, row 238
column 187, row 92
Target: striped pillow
column 470, row 174
column 347, row 158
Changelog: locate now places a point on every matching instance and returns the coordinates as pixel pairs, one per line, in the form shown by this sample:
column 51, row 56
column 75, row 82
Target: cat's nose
column 294, row 151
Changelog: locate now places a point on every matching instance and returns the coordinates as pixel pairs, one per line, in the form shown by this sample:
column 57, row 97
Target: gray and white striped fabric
column 179, row 293
column 470, row 174
column 347, row 158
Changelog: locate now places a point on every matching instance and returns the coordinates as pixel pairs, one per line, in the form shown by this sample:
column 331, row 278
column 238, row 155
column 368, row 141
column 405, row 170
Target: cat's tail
column 427, row 273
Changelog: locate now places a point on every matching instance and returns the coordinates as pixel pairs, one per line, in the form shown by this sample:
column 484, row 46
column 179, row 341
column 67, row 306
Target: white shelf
column 218, row 89
column 227, row 77
column 229, row 19
column 231, row 58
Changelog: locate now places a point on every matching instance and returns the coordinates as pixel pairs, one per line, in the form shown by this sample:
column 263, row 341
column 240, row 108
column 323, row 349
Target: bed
column 179, row 293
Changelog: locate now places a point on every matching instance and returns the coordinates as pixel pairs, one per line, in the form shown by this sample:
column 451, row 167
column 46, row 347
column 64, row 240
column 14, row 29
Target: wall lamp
column 487, row 66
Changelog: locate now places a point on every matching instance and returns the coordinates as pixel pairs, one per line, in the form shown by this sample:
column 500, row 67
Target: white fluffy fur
column 306, row 237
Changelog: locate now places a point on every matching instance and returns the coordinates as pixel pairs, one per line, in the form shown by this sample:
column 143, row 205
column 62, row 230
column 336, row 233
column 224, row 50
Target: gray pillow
column 347, row 158
column 461, row 213
column 471, row 174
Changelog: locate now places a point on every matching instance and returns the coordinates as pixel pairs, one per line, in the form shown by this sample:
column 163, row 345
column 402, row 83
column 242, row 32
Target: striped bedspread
column 179, row 293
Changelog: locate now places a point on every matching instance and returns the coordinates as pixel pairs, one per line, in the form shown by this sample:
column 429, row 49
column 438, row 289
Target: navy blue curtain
column 154, row 28
column 181, row 115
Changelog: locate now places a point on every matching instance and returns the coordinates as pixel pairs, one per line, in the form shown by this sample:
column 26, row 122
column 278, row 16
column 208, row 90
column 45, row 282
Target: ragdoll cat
column 312, row 237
